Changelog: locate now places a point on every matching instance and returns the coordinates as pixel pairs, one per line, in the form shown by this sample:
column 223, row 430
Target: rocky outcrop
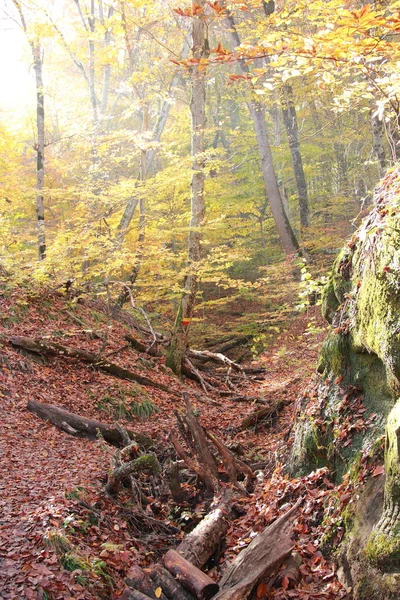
column 355, row 399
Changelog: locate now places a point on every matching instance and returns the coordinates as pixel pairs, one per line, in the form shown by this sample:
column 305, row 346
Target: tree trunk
column 124, row 295
column 156, row 137
column 197, row 582
column 38, row 67
column 39, row 346
column 292, row 131
column 83, row 427
column 200, row 51
column 377, row 138
column 286, row 234
column 40, row 144
column 169, row 585
column 262, row 555
column 139, row 580
column 206, row 537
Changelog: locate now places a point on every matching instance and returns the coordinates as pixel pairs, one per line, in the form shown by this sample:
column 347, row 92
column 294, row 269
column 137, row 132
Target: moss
column 334, row 353
column 392, row 456
column 383, row 550
column 148, row 462
column 375, row 586
column 314, row 453
column 330, row 303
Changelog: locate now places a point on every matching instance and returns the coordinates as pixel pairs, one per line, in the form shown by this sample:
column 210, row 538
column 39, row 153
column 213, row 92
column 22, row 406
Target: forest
column 200, row 299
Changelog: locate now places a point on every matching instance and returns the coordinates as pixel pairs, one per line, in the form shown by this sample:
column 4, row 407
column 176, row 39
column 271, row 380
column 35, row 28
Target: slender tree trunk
column 200, row 51
column 292, row 131
column 286, row 234
column 156, row 137
column 107, row 68
column 39, row 147
column 378, row 147
column 38, row 67
column 124, row 295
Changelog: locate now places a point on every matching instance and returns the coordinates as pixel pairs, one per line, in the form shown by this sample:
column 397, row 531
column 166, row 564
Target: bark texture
column 197, row 582
column 83, row 427
column 200, row 52
column 262, row 555
column 39, row 346
column 292, row 130
column 286, row 234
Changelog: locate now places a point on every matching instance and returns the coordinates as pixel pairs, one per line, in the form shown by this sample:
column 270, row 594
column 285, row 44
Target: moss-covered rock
column 357, row 397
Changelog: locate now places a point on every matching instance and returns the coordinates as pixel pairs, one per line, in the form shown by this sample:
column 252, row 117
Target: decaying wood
column 129, row 594
column 139, row 580
column 265, row 553
column 262, row 413
column 86, row 327
column 198, row 456
column 291, row 571
column 169, row 585
column 197, row 582
column 191, row 372
column 145, row 462
column 138, row 345
column 39, row 346
column 80, row 426
column 192, row 463
column 201, row 543
column 174, row 483
column 216, row 357
column 233, row 465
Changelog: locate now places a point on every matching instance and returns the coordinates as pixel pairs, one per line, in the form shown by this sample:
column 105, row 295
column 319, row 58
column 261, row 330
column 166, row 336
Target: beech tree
column 36, row 49
column 200, row 53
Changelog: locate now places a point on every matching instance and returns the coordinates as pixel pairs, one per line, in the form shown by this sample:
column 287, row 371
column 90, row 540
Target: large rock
column 359, row 377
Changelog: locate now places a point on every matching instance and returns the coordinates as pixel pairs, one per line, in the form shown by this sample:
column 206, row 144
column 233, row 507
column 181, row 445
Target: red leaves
column 261, row 590
column 379, row 470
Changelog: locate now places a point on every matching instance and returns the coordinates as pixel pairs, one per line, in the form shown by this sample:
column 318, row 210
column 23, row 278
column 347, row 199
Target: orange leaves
column 239, row 77
column 261, row 590
column 217, row 8
column 194, row 11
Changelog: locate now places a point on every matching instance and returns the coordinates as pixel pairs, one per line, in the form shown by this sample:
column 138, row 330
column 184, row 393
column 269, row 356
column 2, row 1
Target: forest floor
column 60, row 535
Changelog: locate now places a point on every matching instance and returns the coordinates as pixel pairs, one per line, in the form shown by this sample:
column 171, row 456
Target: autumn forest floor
column 60, row 535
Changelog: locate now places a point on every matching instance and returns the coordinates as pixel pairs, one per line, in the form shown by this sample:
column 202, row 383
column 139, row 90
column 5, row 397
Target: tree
column 200, row 53
column 287, row 236
column 36, row 49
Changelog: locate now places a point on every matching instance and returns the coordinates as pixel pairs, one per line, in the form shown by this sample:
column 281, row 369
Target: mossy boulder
column 355, row 398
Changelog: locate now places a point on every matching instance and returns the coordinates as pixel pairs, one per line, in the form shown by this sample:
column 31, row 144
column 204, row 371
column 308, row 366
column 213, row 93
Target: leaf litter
column 61, row 537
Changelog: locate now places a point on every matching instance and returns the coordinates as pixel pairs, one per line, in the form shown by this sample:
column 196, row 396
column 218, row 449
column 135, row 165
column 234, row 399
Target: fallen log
column 39, row 346
column 291, row 571
column 201, row 543
column 262, row 413
column 265, row 553
column 140, row 347
column 216, row 357
column 129, row 594
column 197, row 582
column 169, row 585
column 138, row 580
column 83, row 427
column 229, row 342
